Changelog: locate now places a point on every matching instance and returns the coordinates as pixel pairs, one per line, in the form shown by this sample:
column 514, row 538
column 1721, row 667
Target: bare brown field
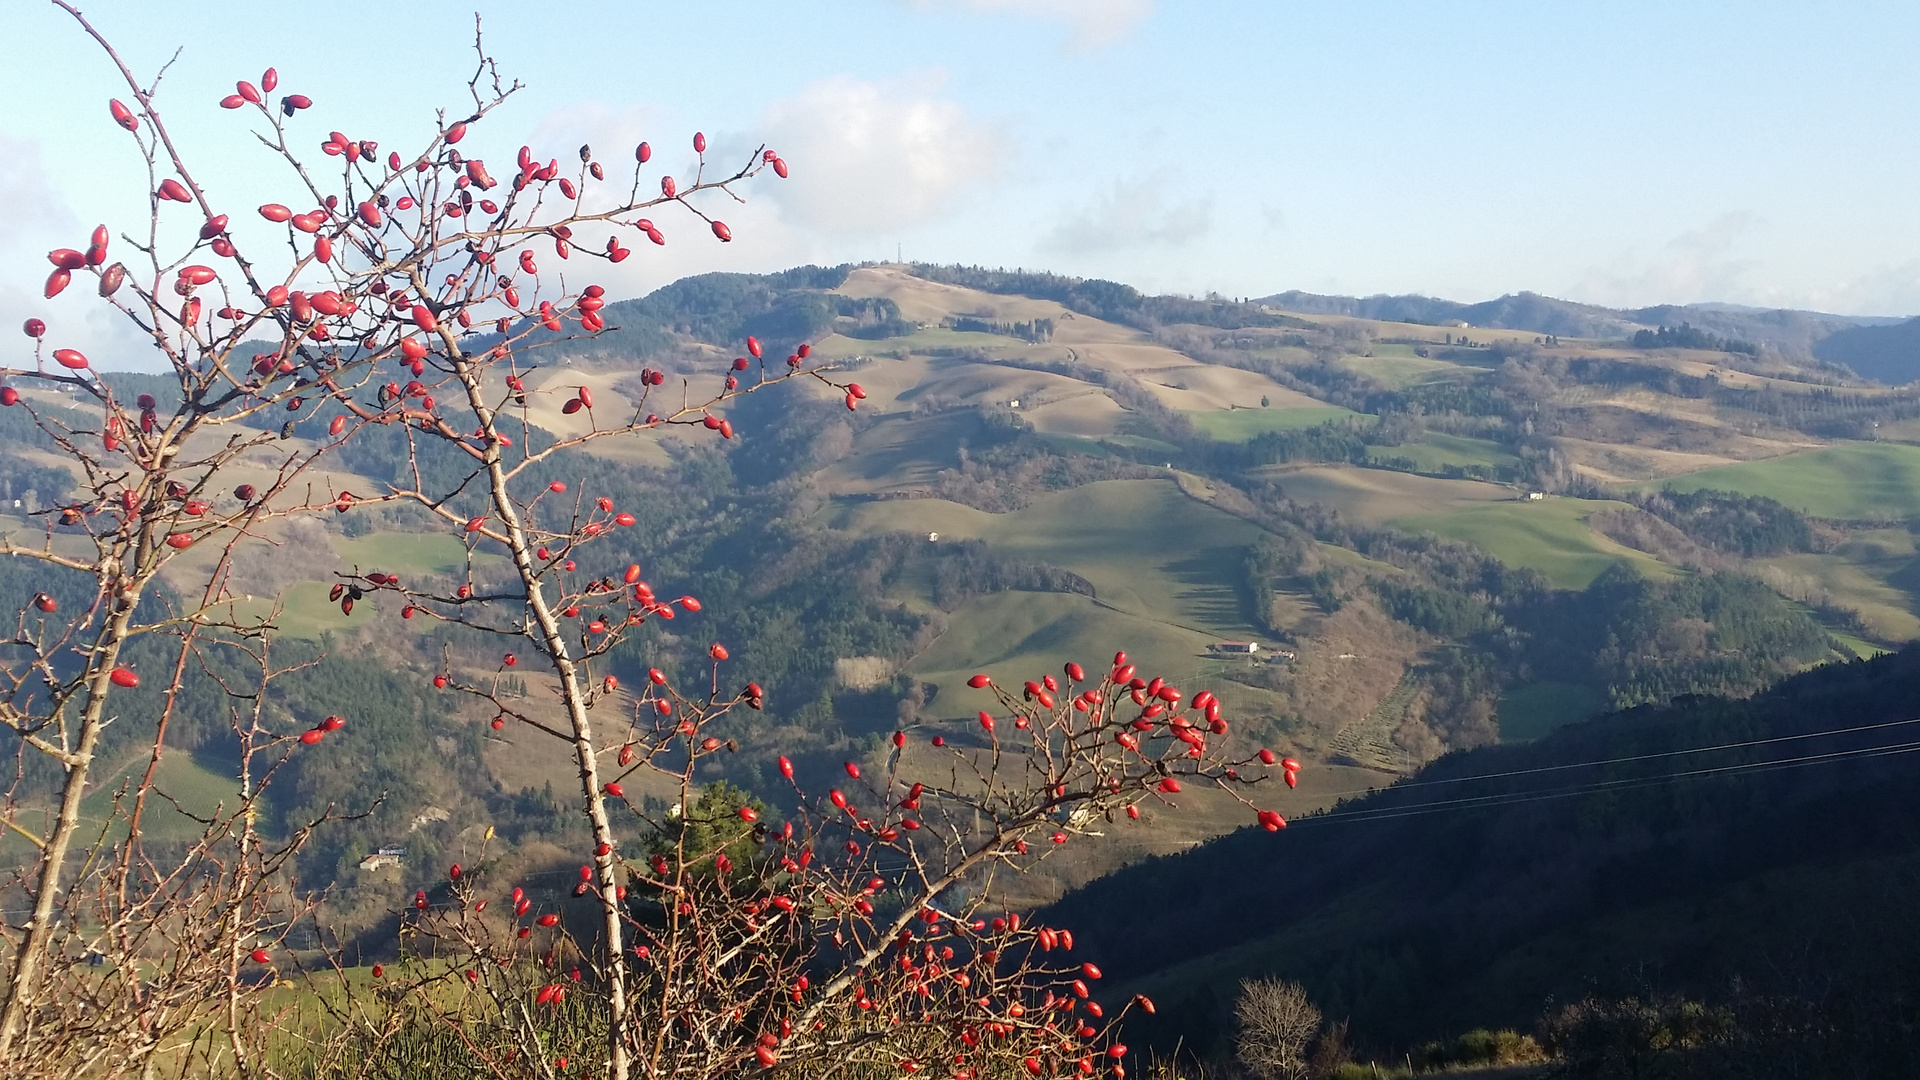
column 1089, row 413
column 926, row 301
column 1191, row 387
column 520, row 757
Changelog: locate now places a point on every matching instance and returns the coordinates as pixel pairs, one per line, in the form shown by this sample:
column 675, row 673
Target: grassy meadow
column 1530, row 711
column 1435, row 451
column 1374, row 496
column 1850, row 481
column 1551, row 536
column 1239, row 425
column 1148, row 549
column 1396, row 367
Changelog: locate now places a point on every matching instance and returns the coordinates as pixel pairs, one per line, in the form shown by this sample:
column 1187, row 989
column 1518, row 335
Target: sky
column 1620, row 153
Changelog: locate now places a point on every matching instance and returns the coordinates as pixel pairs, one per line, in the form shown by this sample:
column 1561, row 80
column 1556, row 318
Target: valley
column 1440, row 536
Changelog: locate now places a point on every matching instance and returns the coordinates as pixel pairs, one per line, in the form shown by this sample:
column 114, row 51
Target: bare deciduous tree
column 1277, row 1024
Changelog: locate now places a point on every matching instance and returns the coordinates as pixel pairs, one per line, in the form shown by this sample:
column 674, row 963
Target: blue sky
column 1619, row 153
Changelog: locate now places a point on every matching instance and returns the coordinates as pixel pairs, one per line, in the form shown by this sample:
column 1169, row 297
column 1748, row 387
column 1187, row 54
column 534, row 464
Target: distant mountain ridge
column 1799, row 333
column 1887, row 353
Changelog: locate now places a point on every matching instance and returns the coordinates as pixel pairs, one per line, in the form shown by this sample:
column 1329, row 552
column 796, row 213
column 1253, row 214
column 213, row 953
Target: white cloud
column 1697, row 265
column 1094, row 22
column 40, row 218
column 872, row 157
column 33, row 206
column 1136, row 213
column 1709, row 264
column 1886, row 290
column 613, row 132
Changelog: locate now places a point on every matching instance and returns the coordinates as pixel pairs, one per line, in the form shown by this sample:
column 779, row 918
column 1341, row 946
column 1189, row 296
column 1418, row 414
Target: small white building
column 1234, row 648
column 385, row 857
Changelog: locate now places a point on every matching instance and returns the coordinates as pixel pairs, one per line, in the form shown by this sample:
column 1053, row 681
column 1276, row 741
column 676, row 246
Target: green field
column 1373, row 496
column 307, row 612
column 196, row 786
column 1865, row 650
column 1239, row 425
column 1435, row 451
column 1876, row 573
column 1551, row 536
column 1530, row 711
column 1079, row 444
column 1163, row 565
column 1396, row 367
column 408, row 553
column 1850, row 481
column 1147, row 549
column 1015, row 636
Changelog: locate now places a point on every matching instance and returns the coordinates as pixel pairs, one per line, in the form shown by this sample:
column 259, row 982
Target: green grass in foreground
column 1530, row 711
column 1239, row 425
column 1852, row 481
column 1551, row 536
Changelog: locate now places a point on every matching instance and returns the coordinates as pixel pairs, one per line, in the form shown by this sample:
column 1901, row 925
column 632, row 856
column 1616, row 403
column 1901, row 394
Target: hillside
column 1820, row 335
column 1047, row 468
column 1888, row 354
column 1706, row 849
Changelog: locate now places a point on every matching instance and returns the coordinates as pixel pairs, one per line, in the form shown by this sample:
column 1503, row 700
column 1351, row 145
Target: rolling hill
column 1704, row 849
column 1047, row 468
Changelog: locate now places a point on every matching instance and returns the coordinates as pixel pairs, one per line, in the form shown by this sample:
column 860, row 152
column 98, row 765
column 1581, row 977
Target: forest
column 1668, row 858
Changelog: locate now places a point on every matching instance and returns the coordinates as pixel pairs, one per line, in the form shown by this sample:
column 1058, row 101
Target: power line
column 1405, row 785
column 1386, row 813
